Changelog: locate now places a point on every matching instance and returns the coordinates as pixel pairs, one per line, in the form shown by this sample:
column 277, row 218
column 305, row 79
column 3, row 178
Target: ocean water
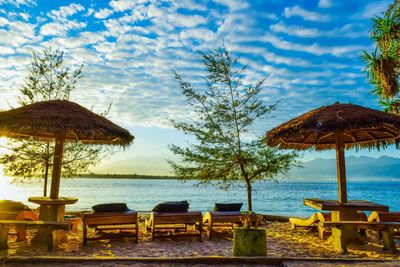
column 283, row 198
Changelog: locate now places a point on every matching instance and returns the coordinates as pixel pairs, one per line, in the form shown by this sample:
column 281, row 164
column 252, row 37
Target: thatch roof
column 361, row 127
column 44, row 120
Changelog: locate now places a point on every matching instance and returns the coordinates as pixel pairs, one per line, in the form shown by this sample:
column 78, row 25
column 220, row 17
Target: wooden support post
column 388, row 240
column 137, row 231
column 341, row 168
column 200, row 229
column 209, row 228
column 84, row 232
column 50, row 239
column 153, row 226
column 339, row 240
column 55, row 177
column 3, row 237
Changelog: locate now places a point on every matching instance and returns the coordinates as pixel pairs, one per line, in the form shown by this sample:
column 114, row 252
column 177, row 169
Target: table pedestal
column 348, row 234
column 51, row 210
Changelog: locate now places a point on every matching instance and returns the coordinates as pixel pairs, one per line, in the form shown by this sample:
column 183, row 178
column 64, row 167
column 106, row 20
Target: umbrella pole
column 55, row 177
column 341, row 168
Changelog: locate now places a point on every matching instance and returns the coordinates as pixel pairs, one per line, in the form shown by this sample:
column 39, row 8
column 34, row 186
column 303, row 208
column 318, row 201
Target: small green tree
column 383, row 64
column 225, row 111
column 48, row 79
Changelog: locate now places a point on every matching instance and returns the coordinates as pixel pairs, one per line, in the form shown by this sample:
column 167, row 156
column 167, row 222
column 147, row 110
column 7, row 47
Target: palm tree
column 383, row 64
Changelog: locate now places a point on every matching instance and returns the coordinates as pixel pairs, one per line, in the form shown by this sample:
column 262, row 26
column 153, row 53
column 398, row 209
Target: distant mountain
column 357, row 168
column 145, row 165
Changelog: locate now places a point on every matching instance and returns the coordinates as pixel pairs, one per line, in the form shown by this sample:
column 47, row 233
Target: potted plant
column 249, row 240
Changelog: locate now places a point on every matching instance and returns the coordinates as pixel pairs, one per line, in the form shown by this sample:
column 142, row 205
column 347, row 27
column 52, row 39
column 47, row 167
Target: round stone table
column 52, row 209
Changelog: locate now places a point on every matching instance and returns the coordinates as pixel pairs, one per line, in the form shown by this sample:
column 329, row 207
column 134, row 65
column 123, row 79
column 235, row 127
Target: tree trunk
column 249, row 203
column 46, row 170
column 46, row 176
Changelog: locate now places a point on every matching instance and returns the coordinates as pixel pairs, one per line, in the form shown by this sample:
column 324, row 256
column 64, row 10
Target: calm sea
column 283, row 198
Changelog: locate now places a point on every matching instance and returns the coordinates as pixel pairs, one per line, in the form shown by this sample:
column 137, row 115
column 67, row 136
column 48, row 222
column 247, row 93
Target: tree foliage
column 383, row 64
column 224, row 113
column 48, row 79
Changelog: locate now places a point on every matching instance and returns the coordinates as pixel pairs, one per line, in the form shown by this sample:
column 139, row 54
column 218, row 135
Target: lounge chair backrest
column 178, row 206
column 110, row 207
column 9, row 205
column 228, row 206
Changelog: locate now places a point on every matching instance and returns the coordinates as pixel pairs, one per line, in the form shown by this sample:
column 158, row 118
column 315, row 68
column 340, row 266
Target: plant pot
column 249, row 242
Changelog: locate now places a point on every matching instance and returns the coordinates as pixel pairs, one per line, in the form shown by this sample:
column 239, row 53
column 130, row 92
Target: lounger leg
column 321, row 232
column 21, row 233
column 339, row 240
column 50, row 239
column 152, row 229
column 84, row 233
column 3, row 237
column 388, row 240
column 137, row 232
column 209, row 229
column 200, row 229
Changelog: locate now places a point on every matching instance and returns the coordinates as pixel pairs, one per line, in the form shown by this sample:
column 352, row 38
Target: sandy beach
column 283, row 242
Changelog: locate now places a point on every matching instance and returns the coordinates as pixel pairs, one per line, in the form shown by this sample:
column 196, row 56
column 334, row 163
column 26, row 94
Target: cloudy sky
column 309, row 49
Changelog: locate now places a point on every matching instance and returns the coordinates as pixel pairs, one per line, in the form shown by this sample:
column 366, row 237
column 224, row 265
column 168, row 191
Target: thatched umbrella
column 61, row 120
column 338, row 126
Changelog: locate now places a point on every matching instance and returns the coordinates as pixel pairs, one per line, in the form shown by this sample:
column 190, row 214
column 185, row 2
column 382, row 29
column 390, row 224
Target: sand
column 281, row 242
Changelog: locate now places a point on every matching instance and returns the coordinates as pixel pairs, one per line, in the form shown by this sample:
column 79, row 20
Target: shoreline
column 199, row 260
column 300, row 247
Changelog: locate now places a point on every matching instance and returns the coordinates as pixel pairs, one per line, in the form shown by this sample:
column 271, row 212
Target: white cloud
column 305, row 14
column 5, row 50
column 61, row 29
column 17, row 34
column 82, row 40
column 314, row 48
column 103, row 13
column 115, row 28
column 190, row 4
column 202, row 34
column 22, row 28
column 122, row 5
column 66, row 11
column 324, row 3
column 90, row 11
column 375, row 9
column 18, row 3
column 233, row 5
column 128, row 57
column 295, row 30
column 352, row 30
column 185, row 20
column 3, row 21
column 24, row 16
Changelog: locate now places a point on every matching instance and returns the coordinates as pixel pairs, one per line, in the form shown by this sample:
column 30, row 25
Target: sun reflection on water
column 17, row 191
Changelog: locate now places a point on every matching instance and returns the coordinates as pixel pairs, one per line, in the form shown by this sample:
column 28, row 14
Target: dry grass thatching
column 317, row 129
column 45, row 120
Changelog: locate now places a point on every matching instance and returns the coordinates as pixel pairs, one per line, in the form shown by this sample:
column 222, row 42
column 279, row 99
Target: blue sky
column 309, row 49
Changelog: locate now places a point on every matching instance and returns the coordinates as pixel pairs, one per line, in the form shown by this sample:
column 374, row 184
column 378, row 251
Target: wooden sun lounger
column 20, row 215
column 381, row 216
column 317, row 218
column 175, row 221
column 222, row 219
column 340, row 239
column 114, row 221
column 48, row 226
